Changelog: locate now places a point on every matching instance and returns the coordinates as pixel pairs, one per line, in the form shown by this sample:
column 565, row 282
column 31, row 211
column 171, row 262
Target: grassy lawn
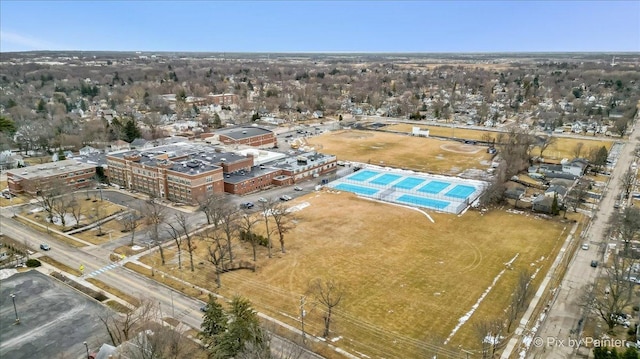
column 115, row 291
column 59, row 237
column 90, row 212
column 563, row 148
column 416, row 153
column 396, row 266
column 60, row 266
column 19, row 199
column 118, row 307
column 443, row 131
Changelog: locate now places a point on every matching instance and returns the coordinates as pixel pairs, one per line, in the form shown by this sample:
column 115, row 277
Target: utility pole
column 302, row 314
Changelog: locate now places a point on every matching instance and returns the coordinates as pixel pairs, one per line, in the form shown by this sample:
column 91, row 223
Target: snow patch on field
column 6, row 273
column 299, row 207
column 468, row 315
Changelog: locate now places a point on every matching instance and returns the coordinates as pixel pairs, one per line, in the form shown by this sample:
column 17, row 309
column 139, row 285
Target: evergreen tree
column 42, row 106
column 131, row 131
column 554, row 206
column 217, row 123
column 7, row 125
column 244, row 328
column 214, row 322
column 61, row 156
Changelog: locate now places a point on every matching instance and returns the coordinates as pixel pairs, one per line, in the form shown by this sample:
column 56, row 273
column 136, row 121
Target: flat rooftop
column 241, row 176
column 239, row 133
column 50, row 169
column 302, row 160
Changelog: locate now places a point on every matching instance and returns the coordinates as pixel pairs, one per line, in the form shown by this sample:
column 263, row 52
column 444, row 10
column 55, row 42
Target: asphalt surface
column 96, row 260
column 564, row 318
column 55, row 319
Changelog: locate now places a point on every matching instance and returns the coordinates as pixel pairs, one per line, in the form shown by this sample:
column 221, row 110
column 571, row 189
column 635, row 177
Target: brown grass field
column 407, row 280
column 89, row 216
column 563, row 148
column 416, row 153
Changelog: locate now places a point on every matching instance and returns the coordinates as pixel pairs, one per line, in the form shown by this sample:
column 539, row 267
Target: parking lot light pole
column 86, row 347
column 13, row 298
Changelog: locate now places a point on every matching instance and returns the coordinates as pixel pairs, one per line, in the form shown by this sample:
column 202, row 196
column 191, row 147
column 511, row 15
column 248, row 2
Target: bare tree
column 490, row 334
column 519, row 298
column 147, row 338
column 577, row 194
column 515, row 146
column 229, row 215
column 577, row 149
column 76, row 210
column 282, row 218
column 130, row 222
column 329, row 294
column 210, row 206
column 217, row 252
column 174, row 232
column 627, row 180
column 628, row 225
column 122, row 327
column 611, row 295
column 52, row 197
column 155, row 215
column 246, row 224
column 185, row 230
column 267, row 208
column 545, row 143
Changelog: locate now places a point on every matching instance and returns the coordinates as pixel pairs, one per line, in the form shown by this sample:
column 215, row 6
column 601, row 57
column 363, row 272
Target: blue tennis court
column 408, row 183
column 434, row 187
column 366, row 191
column 461, row 191
column 423, row 201
column 385, row 179
column 363, row 175
column 437, row 192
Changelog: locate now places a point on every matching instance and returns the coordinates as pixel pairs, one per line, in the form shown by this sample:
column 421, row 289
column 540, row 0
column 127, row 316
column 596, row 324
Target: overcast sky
column 321, row 26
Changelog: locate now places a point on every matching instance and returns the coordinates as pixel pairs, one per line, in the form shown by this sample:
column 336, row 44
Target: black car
column 594, row 264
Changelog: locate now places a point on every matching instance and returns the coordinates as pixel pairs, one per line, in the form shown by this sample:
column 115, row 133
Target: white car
column 297, row 188
column 585, row 246
column 286, row 197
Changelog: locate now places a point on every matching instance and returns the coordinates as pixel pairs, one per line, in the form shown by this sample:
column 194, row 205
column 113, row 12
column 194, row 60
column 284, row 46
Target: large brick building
column 179, row 173
column 31, row 179
column 186, row 172
column 249, row 135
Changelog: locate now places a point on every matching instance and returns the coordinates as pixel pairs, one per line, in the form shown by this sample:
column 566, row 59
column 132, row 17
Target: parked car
column 247, row 205
column 262, row 199
column 297, row 188
column 45, row 247
column 585, row 246
column 285, row 197
column 594, row 264
column 204, row 308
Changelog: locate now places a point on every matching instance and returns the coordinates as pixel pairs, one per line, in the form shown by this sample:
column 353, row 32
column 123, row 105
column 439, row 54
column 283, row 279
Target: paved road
column 172, row 303
column 564, row 316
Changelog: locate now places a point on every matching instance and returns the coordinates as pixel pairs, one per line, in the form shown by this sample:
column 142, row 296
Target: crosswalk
column 102, row 270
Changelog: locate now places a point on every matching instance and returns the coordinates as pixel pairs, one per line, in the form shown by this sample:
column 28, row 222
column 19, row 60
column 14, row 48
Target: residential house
column 542, row 204
column 120, row 145
column 558, row 190
column 138, row 143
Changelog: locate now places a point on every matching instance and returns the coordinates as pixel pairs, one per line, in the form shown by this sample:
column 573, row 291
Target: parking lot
column 55, row 319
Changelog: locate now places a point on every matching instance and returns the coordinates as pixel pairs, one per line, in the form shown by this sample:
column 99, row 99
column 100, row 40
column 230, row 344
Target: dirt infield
column 460, row 148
